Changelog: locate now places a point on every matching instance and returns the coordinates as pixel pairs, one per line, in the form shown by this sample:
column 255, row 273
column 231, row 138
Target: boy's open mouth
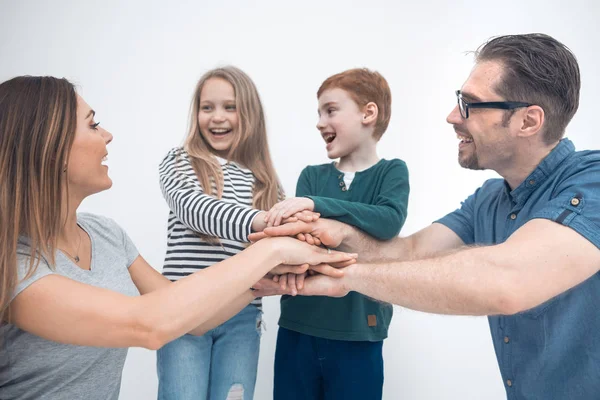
column 329, row 137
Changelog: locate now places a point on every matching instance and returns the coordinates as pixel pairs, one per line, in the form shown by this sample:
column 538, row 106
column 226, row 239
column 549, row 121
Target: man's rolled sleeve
column 462, row 220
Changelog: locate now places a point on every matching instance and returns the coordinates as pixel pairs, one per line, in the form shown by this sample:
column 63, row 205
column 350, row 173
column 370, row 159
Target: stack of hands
column 310, row 267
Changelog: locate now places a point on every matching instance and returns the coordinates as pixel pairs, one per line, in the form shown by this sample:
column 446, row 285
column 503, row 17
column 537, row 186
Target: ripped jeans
column 220, row 365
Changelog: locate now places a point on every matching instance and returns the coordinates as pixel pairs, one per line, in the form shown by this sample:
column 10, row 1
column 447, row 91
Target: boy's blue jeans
column 312, row 368
column 219, row 365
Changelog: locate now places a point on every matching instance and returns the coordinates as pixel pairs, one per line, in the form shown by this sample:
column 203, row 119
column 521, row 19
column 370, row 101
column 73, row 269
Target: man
column 523, row 250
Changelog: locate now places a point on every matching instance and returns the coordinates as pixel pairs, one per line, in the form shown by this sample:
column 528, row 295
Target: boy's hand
column 288, row 208
column 329, row 232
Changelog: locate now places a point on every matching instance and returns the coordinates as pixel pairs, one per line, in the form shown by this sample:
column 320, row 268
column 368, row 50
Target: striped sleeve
column 197, row 210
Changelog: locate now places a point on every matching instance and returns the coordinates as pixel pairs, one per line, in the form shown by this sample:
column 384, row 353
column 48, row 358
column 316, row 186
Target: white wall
column 137, row 63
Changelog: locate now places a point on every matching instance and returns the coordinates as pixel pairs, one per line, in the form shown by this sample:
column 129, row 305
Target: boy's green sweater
column 376, row 203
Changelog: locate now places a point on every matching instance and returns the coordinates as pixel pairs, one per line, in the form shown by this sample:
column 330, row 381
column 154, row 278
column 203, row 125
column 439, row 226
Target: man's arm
column 434, row 240
column 539, row 261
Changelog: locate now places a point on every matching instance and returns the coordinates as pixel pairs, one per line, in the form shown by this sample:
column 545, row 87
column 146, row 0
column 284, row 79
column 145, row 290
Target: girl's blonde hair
column 249, row 148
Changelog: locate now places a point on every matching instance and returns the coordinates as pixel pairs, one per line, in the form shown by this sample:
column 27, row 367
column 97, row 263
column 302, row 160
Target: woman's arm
column 60, row 309
column 147, row 280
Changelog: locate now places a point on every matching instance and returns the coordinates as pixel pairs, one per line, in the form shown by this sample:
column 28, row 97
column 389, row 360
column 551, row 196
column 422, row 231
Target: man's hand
column 329, row 232
column 315, row 285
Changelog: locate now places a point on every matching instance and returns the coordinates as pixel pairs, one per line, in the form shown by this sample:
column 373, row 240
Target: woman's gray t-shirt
column 36, row 368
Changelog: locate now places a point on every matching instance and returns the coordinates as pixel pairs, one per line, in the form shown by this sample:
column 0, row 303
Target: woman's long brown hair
column 38, row 117
column 250, row 147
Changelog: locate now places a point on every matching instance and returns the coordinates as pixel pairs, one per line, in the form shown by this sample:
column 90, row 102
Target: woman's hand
column 295, row 252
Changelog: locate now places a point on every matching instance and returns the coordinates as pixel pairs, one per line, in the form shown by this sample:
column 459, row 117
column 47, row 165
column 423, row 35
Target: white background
column 136, row 63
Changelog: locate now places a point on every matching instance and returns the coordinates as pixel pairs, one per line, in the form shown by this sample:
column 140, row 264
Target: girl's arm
column 197, row 210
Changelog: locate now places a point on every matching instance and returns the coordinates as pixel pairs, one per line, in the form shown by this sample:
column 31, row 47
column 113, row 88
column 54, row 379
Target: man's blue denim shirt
column 553, row 350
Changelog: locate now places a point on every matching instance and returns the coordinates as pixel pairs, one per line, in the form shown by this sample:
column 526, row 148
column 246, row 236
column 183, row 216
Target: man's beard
column 472, row 162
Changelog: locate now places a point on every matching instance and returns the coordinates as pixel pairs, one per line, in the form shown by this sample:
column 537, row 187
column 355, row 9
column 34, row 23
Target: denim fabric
column 219, row 365
column 551, row 351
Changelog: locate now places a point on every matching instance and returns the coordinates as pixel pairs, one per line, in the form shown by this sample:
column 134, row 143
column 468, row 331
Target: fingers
column 285, row 269
column 291, row 281
column 291, row 229
column 256, row 236
column 326, row 269
column 278, row 217
column 332, row 257
column 343, row 264
column 266, row 287
column 301, row 237
column 283, row 282
column 309, row 239
column 306, row 216
column 288, row 208
column 289, row 220
column 300, row 281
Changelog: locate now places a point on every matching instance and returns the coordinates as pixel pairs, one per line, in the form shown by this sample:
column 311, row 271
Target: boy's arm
column 197, row 210
column 303, row 186
column 382, row 220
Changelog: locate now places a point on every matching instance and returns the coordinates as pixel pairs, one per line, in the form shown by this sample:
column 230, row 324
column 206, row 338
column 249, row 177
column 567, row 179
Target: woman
column 69, row 281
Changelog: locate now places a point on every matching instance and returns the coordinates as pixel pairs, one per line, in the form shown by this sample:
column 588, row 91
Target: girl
column 216, row 185
column 69, row 282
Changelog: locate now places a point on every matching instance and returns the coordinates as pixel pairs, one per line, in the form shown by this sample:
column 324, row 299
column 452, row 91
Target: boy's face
column 340, row 123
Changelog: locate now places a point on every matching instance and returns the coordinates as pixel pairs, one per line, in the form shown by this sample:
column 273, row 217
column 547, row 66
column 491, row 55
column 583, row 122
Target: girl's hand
column 304, row 216
column 288, row 208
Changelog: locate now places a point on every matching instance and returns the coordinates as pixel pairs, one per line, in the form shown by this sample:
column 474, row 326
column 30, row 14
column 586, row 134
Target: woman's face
column 87, row 171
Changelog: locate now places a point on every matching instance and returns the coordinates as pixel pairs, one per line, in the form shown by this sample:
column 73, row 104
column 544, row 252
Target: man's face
column 487, row 138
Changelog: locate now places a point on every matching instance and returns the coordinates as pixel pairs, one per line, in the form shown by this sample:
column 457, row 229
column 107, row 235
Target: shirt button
column 344, row 189
column 575, row 201
column 532, row 182
column 513, row 216
column 508, row 382
column 506, row 339
column 341, row 184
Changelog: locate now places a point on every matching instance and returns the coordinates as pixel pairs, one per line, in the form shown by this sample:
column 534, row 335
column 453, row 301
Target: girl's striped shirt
column 193, row 211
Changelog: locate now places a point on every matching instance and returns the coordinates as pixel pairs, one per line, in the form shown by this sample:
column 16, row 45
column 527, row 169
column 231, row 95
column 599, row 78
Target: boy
column 331, row 348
